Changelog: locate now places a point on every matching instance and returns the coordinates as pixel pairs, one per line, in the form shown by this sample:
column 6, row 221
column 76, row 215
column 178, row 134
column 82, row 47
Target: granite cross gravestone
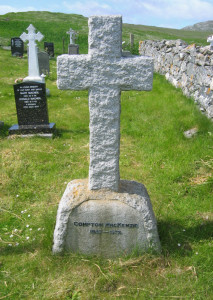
column 33, row 67
column 72, row 48
column 17, row 47
column 105, row 216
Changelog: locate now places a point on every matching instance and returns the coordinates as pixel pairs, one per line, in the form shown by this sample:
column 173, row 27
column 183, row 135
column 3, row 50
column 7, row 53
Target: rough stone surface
column 210, row 40
column 104, row 222
column 190, row 133
column 188, row 67
column 105, row 73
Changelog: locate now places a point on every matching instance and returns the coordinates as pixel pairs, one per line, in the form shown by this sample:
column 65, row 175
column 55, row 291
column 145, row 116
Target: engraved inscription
column 31, row 103
column 106, row 228
column 102, row 231
column 30, row 95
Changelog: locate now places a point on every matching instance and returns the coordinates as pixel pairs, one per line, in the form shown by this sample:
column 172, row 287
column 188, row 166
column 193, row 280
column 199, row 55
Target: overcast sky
column 161, row 13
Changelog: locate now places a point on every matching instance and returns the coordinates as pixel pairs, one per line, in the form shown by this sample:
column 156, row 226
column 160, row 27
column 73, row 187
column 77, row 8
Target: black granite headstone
column 17, row 46
column 49, row 48
column 31, row 106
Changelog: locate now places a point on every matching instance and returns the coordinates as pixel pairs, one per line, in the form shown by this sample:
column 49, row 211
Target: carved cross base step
column 33, row 78
column 105, row 223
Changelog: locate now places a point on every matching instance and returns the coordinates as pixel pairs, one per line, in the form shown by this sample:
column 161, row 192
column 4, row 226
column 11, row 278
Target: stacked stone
column 188, row 67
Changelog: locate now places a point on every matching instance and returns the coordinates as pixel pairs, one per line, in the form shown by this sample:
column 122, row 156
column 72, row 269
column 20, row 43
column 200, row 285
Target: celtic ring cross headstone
column 33, row 66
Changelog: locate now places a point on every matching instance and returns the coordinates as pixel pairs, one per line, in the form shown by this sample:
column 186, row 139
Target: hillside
column 202, row 26
column 55, row 25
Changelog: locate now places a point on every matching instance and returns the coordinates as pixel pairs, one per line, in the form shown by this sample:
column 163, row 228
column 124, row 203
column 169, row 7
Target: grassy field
column 55, row 25
column 176, row 171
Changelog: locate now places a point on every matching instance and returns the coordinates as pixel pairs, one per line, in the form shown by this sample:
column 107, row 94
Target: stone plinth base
column 105, row 223
column 26, row 130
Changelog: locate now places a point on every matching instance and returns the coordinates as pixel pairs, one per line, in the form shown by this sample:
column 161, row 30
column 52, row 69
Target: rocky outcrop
column 202, row 26
column 188, row 67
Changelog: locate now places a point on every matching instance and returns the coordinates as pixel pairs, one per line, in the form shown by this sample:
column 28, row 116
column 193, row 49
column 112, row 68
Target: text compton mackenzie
column 106, row 225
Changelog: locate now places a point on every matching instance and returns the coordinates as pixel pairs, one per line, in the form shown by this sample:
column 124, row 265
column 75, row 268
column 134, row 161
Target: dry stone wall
column 188, row 67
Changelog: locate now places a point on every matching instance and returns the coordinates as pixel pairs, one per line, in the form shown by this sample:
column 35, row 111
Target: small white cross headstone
column 33, row 66
column 73, row 36
column 106, row 216
column 210, row 40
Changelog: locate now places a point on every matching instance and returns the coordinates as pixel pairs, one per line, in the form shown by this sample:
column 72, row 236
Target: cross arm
column 74, row 72
column 39, row 36
column 135, row 73
column 24, row 36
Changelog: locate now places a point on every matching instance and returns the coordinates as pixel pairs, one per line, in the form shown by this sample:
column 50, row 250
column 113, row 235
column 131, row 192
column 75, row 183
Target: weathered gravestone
column 131, row 40
column 31, row 106
column 105, row 215
column 43, row 62
column 17, row 46
column 72, row 48
column 49, row 48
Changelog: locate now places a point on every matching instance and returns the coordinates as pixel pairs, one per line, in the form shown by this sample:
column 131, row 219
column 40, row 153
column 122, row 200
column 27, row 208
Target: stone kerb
column 188, row 67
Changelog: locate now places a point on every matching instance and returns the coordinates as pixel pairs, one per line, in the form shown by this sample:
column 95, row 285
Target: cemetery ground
column 176, row 171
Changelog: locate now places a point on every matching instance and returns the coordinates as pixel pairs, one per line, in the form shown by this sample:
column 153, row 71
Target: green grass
column 176, row 171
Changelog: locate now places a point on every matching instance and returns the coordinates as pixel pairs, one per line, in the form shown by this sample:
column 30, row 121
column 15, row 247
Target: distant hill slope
column 202, row 26
column 55, row 25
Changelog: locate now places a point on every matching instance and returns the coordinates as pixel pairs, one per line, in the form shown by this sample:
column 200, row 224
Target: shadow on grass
column 175, row 238
column 4, row 130
column 59, row 132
